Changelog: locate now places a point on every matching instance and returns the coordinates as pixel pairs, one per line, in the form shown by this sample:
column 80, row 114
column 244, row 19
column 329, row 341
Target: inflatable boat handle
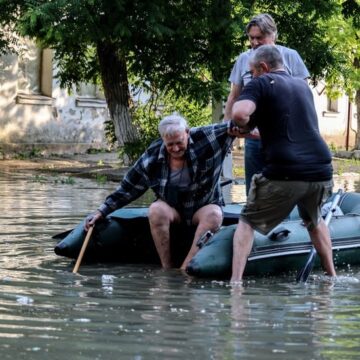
column 279, row 234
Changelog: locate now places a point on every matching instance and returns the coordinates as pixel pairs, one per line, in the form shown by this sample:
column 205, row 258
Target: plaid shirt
column 206, row 150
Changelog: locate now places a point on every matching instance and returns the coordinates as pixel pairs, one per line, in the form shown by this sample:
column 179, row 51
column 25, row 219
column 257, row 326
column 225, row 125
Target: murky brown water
column 142, row 312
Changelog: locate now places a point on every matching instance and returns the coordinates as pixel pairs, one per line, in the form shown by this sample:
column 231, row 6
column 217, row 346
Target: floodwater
column 142, row 312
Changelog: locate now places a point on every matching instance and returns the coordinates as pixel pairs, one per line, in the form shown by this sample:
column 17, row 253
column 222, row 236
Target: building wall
column 337, row 119
column 36, row 114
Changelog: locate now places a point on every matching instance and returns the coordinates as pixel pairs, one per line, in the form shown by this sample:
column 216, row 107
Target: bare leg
column 242, row 244
column 209, row 217
column 161, row 215
column 320, row 237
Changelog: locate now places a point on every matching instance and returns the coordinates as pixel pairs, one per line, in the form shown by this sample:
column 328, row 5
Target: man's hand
column 254, row 134
column 238, row 131
column 91, row 219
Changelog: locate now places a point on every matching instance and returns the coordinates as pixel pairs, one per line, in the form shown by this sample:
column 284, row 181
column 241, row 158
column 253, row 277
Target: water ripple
column 142, row 312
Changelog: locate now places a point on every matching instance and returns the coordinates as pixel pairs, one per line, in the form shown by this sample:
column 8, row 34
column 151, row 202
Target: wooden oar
column 304, row 273
column 83, row 248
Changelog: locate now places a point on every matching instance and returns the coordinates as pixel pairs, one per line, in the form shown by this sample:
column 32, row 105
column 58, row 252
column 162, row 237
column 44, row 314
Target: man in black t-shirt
column 297, row 169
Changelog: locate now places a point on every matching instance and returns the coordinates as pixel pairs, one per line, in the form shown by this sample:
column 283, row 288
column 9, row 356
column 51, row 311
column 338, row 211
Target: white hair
column 172, row 124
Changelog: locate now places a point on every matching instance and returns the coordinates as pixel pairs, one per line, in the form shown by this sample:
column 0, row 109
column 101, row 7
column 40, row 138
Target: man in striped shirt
column 183, row 170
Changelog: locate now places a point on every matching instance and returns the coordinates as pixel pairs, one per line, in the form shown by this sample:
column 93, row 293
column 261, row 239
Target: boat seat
column 350, row 203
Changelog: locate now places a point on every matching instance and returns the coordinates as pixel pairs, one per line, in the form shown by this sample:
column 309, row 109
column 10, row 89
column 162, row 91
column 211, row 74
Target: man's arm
column 233, row 95
column 241, row 112
column 134, row 184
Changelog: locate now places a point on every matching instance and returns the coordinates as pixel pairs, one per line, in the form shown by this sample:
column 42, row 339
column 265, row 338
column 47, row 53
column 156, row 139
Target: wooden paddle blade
column 304, row 273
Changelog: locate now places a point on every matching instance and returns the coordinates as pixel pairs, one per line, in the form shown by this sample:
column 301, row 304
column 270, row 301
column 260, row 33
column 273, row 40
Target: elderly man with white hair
column 183, row 170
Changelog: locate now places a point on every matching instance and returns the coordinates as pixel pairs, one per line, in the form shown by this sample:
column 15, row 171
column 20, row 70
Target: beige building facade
column 36, row 114
column 337, row 119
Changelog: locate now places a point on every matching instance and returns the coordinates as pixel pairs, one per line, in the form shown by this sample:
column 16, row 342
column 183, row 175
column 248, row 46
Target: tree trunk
column 116, row 88
column 357, row 104
column 217, row 111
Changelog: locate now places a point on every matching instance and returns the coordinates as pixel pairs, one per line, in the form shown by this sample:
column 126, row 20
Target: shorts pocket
column 272, row 190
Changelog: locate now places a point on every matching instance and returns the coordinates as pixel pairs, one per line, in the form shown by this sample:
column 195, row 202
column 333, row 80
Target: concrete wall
column 337, row 127
column 44, row 117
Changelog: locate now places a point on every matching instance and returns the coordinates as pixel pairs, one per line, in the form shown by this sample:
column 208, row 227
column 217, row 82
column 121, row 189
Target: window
column 90, row 95
column 332, row 105
column 34, row 74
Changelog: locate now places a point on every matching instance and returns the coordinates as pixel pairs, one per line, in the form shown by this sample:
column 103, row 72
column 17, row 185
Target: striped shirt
column 206, row 150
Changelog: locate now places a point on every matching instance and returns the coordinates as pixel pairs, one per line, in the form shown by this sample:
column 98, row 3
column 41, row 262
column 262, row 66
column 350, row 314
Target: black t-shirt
column 287, row 121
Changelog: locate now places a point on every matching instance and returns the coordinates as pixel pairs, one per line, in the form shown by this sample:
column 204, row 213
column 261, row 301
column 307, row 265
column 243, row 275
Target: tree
column 326, row 34
column 345, row 37
column 186, row 47
column 342, row 35
column 301, row 26
column 166, row 44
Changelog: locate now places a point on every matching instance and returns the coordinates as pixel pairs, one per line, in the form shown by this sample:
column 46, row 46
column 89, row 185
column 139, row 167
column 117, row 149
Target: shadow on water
column 142, row 312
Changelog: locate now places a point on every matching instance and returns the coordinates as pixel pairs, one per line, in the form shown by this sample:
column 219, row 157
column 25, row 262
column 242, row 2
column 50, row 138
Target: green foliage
column 39, row 179
column 300, row 26
column 58, row 180
column 342, row 166
column 95, row 151
column 67, row 181
column 343, row 38
column 184, row 49
column 332, row 146
column 101, row 179
column 239, row 171
column 146, row 116
column 162, row 44
column 109, row 129
column 28, row 154
column 351, row 9
column 131, row 151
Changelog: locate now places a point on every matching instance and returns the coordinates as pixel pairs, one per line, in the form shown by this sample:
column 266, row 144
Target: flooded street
column 142, row 312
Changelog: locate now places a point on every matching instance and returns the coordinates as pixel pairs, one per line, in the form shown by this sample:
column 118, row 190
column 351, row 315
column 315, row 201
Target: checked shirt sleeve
column 134, row 184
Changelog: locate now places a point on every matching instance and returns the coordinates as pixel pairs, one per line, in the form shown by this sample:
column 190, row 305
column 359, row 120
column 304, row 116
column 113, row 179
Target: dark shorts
column 270, row 201
column 187, row 216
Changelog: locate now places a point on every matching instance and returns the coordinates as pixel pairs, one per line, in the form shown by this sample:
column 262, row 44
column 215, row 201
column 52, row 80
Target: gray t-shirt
column 294, row 65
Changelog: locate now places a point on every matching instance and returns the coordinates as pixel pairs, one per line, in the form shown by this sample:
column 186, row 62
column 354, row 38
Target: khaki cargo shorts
column 270, row 201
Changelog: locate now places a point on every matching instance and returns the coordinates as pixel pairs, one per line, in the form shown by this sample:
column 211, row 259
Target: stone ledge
column 355, row 154
column 83, row 101
column 32, row 99
column 11, row 150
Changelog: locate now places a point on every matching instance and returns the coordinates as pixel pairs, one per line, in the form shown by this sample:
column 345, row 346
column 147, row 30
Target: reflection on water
column 143, row 312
